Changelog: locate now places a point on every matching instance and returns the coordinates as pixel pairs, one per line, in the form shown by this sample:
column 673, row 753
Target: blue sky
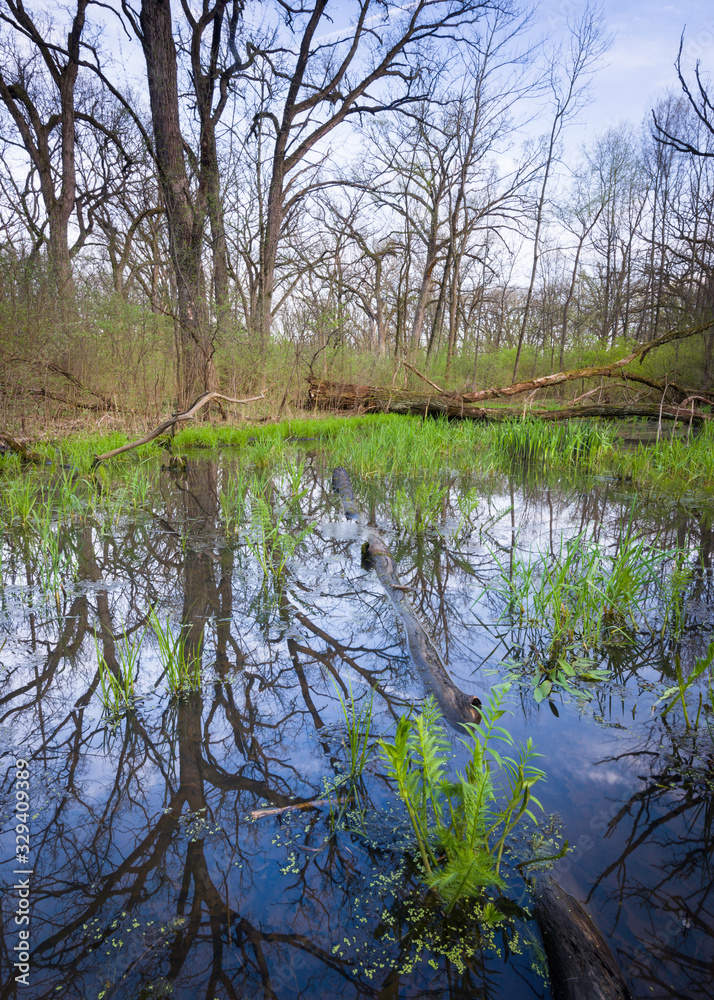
column 641, row 61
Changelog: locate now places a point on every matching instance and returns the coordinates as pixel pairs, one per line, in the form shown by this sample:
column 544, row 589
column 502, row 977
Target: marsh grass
column 181, row 666
column 459, row 824
column 117, row 692
column 683, row 685
column 583, row 592
column 417, row 511
column 554, row 445
column 358, row 729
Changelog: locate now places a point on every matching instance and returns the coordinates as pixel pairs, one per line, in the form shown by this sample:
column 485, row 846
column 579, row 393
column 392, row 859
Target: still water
column 150, row 878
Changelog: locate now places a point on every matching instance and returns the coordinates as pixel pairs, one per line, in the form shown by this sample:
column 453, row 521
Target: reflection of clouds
column 606, row 776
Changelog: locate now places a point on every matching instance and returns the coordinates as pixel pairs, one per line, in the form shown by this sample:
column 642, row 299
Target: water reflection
column 149, row 879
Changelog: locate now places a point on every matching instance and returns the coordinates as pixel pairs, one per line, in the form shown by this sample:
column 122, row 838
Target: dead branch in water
column 188, row 414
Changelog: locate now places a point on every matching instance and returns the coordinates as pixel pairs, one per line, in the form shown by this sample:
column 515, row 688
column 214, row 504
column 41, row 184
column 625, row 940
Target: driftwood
column 457, row 706
column 176, row 418
column 279, row 810
column 580, row 963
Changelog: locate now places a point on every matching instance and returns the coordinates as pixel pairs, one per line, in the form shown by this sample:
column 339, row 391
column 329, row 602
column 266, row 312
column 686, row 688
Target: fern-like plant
column 460, row 826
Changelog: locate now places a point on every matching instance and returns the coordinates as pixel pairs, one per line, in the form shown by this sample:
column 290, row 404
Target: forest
column 229, row 197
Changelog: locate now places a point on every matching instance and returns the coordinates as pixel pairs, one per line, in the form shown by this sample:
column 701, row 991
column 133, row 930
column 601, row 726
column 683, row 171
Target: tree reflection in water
column 149, row 879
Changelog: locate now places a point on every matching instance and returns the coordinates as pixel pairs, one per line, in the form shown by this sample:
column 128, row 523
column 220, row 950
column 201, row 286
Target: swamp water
column 149, row 876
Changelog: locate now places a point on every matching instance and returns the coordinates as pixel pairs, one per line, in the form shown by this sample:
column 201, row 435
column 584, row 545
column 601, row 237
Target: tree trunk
column 196, row 371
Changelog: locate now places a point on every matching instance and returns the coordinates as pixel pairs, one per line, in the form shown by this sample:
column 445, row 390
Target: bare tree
column 568, row 80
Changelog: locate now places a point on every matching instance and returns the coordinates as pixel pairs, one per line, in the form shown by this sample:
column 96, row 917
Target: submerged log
column 343, row 487
column 580, row 963
column 326, row 395
column 457, row 706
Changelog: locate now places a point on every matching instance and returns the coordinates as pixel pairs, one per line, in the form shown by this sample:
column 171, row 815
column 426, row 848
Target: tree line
column 370, row 176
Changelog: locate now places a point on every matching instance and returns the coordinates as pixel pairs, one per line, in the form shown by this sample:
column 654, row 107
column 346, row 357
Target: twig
column 279, row 810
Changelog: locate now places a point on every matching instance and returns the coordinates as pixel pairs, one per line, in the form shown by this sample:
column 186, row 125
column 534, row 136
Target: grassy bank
column 399, row 446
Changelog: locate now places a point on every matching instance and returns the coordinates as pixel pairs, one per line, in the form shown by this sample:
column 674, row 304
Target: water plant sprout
column 459, row 826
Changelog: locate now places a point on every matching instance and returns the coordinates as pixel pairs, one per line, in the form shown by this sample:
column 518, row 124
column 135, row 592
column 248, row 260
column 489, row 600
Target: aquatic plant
column 274, row 534
column 552, row 444
column 358, row 727
column 418, row 510
column 581, row 592
column 182, row 666
column 459, row 825
column 685, row 683
column 116, row 691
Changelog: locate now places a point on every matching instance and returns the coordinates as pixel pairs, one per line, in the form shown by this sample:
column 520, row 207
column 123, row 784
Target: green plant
column 418, row 510
column 582, row 592
column 182, row 667
column 358, row 723
column 685, row 683
column 272, row 540
column 459, row 825
column 117, row 690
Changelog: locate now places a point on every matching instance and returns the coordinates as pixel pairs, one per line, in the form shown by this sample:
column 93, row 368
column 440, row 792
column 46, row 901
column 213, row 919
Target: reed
column 684, row 684
column 358, row 729
column 181, row 666
column 117, row 691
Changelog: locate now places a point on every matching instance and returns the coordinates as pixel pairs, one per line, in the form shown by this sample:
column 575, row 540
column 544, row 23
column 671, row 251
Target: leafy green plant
column 459, row 825
column 182, row 668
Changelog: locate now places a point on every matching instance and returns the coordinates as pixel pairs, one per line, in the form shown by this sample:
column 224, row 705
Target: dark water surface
column 148, row 879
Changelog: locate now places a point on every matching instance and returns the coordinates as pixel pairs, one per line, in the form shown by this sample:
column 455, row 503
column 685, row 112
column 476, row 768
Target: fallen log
column 327, row 395
column 457, row 706
column 580, row 963
column 176, row 418
column 25, row 453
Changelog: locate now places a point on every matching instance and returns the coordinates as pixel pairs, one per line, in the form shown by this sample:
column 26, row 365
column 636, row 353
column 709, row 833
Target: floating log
column 580, row 963
column 327, row 395
column 457, row 706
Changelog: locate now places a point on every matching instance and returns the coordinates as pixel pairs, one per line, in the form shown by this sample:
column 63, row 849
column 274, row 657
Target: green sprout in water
column 460, row 826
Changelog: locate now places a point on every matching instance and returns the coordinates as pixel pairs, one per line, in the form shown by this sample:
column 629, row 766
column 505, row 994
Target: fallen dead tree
column 457, row 706
column 176, row 418
column 26, row 454
column 434, row 401
column 327, row 395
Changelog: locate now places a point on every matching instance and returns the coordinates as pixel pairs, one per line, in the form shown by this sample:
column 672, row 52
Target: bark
column 580, row 963
column 196, row 372
column 324, row 395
